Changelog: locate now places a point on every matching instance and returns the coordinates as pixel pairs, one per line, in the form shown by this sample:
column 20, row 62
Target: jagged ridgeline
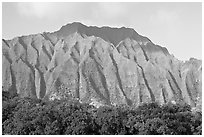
column 101, row 66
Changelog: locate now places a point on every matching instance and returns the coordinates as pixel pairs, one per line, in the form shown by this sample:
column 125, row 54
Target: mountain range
column 99, row 66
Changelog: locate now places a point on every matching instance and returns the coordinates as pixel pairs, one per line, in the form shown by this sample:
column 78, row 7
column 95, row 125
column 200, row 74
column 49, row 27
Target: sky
column 176, row 26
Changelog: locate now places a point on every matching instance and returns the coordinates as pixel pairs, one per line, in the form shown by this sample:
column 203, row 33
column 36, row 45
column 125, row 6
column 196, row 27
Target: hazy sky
column 176, row 26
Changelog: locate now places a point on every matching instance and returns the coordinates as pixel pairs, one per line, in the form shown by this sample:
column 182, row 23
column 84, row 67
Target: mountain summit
column 112, row 35
column 100, row 66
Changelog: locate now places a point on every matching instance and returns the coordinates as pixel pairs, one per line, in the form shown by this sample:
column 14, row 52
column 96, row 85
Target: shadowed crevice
column 32, row 45
column 6, row 43
column 144, row 52
column 102, row 76
column 189, row 93
column 77, row 83
column 74, row 58
column 174, row 92
column 23, row 44
column 77, row 47
column 42, row 84
column 147, row 84
column 33, row 88
column 75, row 53
column 176, row 84
column 46, row 52
column 5, row 53
column 33, row 74
column 90, row 81
column 7, row 57
column 95, row 87
column 87, row 82
column 104, row 83
column 129, row 102
column 141, row 86
column 44, row 35
column 13, row 79
column 164, row 95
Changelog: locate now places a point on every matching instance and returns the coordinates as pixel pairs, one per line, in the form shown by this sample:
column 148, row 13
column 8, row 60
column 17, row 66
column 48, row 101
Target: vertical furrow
column 47, row 38
column 33, row 74
column 46, row 52
column 176, row 84
column 24, row 46
column 32, row 45
column 145, row 54
column 140, row 92
column 42, row 84
column 129, row 102
column 102, row 77
column 77, row 83
column 7, row 57
column 117, row 74
column 6, row 43
column 147, row 84
column 189, row 92
column 172, row 89
column 95, row 87
column 163, row 95
column 13, row 79
column 87, row 82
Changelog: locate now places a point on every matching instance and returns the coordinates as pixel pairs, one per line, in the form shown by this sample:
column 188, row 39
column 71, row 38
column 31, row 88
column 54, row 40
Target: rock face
column 99, row 66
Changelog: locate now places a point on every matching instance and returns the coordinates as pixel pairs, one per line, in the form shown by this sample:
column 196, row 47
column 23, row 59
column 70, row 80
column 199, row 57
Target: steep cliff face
column 98, row 65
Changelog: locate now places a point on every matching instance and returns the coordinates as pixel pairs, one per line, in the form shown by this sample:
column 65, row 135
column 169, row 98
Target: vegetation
column 27, row 116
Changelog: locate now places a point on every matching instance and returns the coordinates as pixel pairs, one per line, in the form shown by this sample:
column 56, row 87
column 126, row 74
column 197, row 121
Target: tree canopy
column 29, row 116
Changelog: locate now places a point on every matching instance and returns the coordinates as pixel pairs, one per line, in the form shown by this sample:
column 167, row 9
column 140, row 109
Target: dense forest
column 28, row 116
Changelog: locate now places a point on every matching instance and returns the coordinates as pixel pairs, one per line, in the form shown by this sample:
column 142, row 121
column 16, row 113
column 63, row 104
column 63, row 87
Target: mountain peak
column 112, row 35
column 76, row 25
column 70, row 28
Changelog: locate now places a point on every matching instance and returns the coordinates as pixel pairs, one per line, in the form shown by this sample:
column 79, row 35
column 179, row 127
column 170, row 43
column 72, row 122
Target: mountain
column 100, row 66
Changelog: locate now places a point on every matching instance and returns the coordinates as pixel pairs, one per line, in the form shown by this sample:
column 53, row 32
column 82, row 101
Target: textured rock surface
column 98, row 65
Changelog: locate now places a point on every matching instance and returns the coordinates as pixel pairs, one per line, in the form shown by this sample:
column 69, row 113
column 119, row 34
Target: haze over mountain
column 100, row 66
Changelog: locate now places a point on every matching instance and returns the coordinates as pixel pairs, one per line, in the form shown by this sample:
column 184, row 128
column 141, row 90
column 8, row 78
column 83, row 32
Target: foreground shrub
column 27, row 116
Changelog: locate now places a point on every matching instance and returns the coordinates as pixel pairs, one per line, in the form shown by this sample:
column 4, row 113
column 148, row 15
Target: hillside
column 100, row 66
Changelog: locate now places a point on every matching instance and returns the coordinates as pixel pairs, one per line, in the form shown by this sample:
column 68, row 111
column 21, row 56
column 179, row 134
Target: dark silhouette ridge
column 112, row 35
column 109, row 34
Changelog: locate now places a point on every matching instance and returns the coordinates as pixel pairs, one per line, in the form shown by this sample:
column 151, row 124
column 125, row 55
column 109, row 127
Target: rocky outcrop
column 98, row 65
